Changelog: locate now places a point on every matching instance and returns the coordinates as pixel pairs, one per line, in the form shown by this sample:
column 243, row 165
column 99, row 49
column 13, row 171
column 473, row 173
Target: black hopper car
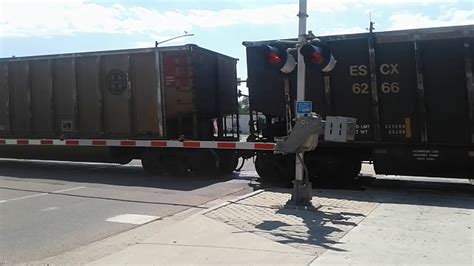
column 411, row 92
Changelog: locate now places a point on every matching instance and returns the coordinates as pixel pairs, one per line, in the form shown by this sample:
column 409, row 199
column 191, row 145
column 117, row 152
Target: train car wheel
column 175, row 165
column 205, row 163
column 275, row 168
column 152, row 162
column 228, row 162
column 264, row 166
column 334, row 170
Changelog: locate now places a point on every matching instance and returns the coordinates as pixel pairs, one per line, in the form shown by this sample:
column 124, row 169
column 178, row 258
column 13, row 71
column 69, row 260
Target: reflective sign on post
column 304, row 108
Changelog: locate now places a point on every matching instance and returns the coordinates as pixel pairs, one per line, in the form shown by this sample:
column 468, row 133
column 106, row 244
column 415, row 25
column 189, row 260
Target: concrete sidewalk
column 351, row 227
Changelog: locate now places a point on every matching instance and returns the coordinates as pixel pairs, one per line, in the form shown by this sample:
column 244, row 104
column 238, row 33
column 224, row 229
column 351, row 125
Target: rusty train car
column 171, row 93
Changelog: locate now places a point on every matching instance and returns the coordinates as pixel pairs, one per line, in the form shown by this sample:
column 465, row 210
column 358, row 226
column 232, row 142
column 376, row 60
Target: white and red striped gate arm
column 191, row 144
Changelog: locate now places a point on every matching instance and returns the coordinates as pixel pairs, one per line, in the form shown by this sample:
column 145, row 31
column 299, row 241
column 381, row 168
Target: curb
column 251, row 194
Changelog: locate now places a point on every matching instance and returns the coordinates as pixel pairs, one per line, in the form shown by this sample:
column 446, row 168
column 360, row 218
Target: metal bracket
column 303, row 137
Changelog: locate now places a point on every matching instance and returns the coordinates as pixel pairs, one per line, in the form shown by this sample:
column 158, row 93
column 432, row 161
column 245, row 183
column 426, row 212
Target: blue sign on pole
column 304, row 107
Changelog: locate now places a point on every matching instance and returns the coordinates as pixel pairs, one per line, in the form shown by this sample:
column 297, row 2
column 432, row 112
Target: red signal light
column 317, row 58
column 274, row 59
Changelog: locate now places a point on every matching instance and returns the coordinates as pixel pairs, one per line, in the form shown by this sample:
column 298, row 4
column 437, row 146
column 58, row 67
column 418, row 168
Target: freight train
column 411, row 92
column 115, row 106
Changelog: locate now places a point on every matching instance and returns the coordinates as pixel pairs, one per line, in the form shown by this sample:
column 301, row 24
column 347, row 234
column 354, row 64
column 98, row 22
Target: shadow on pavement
column 312, row 230
column 317, row 230
column 111, row 174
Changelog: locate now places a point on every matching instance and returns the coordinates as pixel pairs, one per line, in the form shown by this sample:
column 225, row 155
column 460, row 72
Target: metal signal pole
column 301, row 187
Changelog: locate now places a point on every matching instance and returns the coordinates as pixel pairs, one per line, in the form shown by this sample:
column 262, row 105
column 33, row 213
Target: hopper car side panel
column 411, row 92
column 114, row 106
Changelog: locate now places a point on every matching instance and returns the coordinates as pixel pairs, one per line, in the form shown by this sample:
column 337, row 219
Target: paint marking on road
column 64, row 190
column 41, row 194
column 132, row 218
column 26, row 197
column 50, row 209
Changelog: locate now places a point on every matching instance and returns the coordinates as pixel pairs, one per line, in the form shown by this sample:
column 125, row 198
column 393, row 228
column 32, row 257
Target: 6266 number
column 386, row 87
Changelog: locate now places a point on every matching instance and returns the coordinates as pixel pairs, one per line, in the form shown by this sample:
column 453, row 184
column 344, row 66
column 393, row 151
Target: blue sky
column 29, row 27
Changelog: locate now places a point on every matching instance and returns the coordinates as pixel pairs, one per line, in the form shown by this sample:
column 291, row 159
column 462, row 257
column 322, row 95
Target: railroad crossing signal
column 318, row 56
column 278, row 58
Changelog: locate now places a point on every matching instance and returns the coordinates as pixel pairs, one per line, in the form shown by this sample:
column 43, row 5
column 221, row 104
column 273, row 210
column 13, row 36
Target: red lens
column 317, row 58
column 274, row 59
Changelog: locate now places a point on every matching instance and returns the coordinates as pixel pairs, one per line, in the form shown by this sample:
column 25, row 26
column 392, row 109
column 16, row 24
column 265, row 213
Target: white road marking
column 132, row 218
column 64, row 190
column 49, row 209
column 25, row 197
column 41, row 194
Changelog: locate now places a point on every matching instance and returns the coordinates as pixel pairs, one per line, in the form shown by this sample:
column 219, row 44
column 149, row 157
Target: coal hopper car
column 115, row 106
column 411, row 92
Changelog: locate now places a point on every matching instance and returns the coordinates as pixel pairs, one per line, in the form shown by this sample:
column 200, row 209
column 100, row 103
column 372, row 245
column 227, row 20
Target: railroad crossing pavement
column 48, row 208
column 378, row 226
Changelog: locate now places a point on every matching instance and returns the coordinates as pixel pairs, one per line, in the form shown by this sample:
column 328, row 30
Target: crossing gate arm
column 190, row 144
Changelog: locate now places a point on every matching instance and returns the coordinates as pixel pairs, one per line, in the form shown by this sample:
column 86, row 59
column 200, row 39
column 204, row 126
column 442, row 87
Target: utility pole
column 301, row 187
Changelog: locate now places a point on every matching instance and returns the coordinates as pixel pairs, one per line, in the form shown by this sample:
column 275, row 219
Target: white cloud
column 337, row 5
column 61, row 17
column 328, row 5
column 342, row 30
column 351, row 3
column 274, row 14
column 56, row 17
column 43, row 19
column 451, row 18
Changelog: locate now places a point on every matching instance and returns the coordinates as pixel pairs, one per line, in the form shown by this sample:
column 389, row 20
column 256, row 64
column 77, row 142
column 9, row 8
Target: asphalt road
column 47, row 208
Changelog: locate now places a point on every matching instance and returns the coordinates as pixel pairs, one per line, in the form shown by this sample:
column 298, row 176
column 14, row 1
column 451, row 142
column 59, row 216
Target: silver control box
column 340, row 129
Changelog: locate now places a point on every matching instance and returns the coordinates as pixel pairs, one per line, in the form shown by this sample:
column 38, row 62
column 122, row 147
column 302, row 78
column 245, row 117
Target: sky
column 34, row 27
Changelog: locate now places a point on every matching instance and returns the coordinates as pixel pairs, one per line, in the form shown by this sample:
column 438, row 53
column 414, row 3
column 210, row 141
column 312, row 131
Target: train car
column 411, row 92
column 114, row 106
